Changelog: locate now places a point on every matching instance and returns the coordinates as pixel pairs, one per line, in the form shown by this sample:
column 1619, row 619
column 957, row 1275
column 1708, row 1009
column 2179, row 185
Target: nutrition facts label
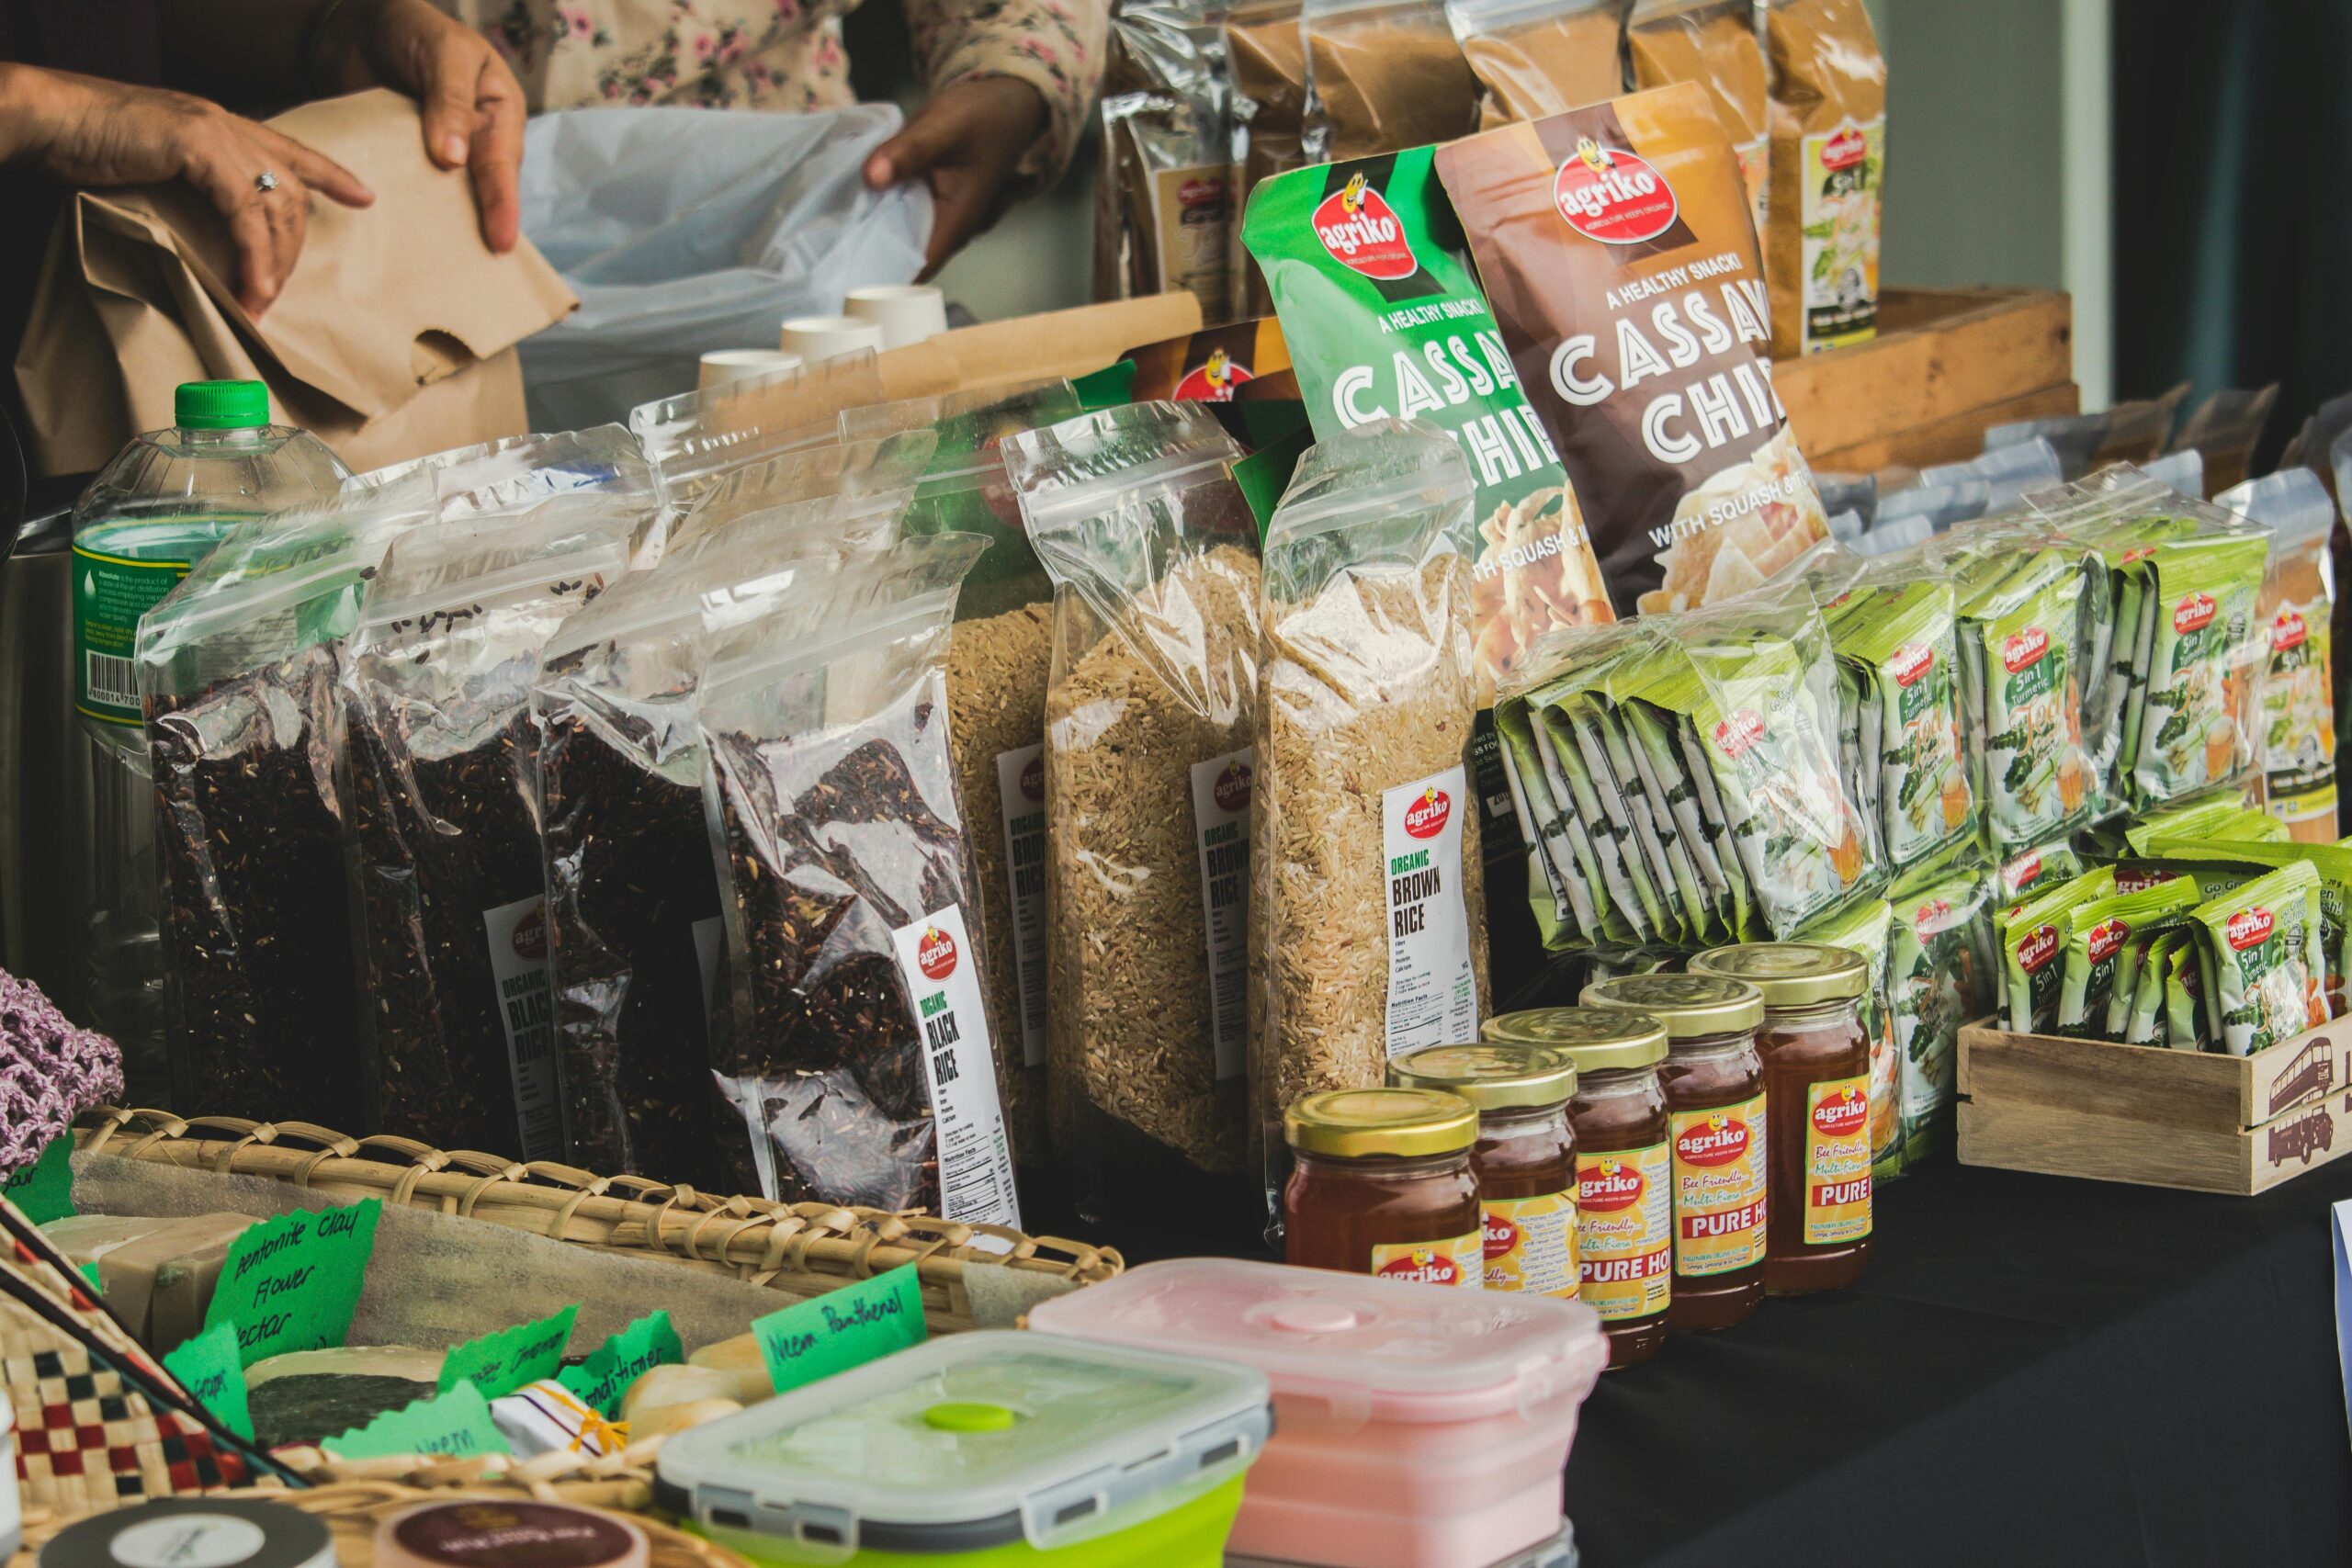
column 1433, row 986
column 944, row 981
column 1021, row 796
column 517, row 935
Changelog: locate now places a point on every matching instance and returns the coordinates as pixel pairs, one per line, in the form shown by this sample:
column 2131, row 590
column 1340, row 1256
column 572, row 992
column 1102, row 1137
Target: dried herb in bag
column 856, row 1065
column 1370, row 925
column 443, row 818
column 634, row 934
column 238, row 668
column 998, row 662
column 1149, row 778
column 1828, row 168
column 1538, row 58
column 1166, row 198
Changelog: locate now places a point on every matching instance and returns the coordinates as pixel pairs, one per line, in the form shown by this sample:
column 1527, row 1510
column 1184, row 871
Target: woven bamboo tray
column 802, row 1249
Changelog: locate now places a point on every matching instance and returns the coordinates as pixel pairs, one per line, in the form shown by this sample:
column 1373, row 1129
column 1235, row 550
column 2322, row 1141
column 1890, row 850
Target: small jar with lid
column 1625, row 1211
column 1380, row 1184
column 1714, row 1079
column 1524, row 1160
column 1818, row 1081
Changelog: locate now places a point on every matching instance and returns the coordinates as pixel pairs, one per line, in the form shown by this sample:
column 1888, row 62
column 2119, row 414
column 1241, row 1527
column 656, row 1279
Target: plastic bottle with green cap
column 152, row 513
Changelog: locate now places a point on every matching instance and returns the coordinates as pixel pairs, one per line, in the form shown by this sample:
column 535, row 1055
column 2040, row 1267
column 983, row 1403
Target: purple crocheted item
column 49, row 1072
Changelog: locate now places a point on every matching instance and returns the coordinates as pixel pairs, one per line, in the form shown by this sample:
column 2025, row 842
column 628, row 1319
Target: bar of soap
column 674, row 1385
column 744, row 1363
column 661, row 1421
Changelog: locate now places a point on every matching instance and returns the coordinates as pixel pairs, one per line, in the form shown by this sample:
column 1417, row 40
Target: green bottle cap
column 220, row 405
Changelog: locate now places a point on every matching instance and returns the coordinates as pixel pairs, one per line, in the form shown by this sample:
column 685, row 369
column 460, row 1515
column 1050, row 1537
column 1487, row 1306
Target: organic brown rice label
column 943, row 982
column 1432, row 985
column 517, row 935
column 1221, row 835
column 1020, row 800
column 1618, row 247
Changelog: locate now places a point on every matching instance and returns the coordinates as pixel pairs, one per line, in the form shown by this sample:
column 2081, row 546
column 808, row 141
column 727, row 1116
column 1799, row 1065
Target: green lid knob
column 220, row 405
column 961, row 1415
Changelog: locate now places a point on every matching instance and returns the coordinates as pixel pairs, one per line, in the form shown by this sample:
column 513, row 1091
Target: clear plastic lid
column 973, row 1440
column 1348, row 1339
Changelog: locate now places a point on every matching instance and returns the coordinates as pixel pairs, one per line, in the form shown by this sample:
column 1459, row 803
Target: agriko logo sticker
column 1615, row 197
column 1719, row 1140
column 2250, row 928
column 2024, row 650
column 936, row 954
column 1361, row 231
column 1232, row 791
column 1608, row 1185
column 2194, row 613
column 1425, row 819
column 530, row 937
column 1213, row 380
column 1842, row 1115
column 1423, row 1266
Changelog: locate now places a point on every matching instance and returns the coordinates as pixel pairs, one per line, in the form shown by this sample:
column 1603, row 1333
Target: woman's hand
column 967, row 140
column 85, row 131
column 473, row 105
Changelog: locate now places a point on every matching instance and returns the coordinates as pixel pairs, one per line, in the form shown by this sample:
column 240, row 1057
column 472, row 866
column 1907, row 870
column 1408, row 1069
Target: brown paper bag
column 393, row 337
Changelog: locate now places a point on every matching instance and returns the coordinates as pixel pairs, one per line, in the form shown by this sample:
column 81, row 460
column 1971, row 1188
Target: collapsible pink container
column 1415, row 1426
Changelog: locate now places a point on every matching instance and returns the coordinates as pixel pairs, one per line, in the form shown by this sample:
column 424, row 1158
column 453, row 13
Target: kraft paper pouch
column 2096, row 935
column 2033, row 941
column 1940, row 975
column 1165, row 197
column 1266, row 53
column 2263, row 940
column 393, row 338
column 1382, row 75
column 1617, row 246
column 1538, row 58
column 1712, row 42
column 1821, row 237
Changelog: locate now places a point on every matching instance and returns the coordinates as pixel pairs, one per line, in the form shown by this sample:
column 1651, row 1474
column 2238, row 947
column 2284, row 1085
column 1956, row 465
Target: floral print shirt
column 788, row 54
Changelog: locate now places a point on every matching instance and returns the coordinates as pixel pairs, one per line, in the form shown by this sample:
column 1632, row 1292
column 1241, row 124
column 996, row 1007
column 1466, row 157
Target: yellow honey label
column 1719, row 1189
column 1837, row 1160
column 1458, row 1260
column 1531, row 1245
column 1625, row 1231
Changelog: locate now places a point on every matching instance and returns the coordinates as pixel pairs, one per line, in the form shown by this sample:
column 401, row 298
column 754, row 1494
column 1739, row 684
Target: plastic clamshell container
column 1416, row 1427
column 983, row 1448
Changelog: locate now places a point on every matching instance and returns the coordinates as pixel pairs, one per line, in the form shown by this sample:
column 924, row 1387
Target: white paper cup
column 907, row 313
column 818, row 338
column 723, row 366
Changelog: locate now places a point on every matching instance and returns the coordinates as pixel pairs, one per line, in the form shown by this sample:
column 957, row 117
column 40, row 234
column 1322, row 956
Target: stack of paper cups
column 819, row 338
column 724, row 367
column 907, row 313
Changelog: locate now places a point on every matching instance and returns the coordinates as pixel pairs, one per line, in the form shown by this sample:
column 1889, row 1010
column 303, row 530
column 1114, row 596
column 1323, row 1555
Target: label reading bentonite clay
column 1625, row 1231
column 1837, row 1161
column 1719, row 1189
column 1020, row 800
column 943, row 983
column 517, row 934
column 1221, row 835
column 1458, row 1260
column 1531, row 1244
column 1432, row 990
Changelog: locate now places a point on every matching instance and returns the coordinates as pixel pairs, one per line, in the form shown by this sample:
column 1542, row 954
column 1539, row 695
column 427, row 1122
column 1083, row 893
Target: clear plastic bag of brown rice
column 1369, row 933
column 1147, row 777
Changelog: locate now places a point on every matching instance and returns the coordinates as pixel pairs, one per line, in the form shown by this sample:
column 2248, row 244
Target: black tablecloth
column 2032, row 1370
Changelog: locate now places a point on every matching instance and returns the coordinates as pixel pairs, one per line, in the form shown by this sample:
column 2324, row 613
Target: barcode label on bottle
column 112, row 679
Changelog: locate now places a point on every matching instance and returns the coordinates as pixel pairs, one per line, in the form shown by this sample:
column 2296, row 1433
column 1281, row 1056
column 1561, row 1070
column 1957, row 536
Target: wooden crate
column 1947, row 365
column 2212, row 1123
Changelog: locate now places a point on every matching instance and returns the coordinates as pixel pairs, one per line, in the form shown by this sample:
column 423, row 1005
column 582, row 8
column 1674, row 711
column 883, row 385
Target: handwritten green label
column 207, row 1366
column 292, row 1282
column 457, row 1423
column 499, row 1363
column 44, row 1189
column 605, row 1376
column 842, row 1328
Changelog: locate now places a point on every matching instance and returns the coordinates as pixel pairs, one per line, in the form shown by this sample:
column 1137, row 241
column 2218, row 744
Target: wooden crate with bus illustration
column 2211, row 1124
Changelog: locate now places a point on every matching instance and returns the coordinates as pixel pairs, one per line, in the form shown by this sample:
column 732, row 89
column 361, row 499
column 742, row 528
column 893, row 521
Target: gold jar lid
column 1790, row 973
column 1400, row 1122
column 1690, row 1006
column 1597, row 1039
column 1491, row 1077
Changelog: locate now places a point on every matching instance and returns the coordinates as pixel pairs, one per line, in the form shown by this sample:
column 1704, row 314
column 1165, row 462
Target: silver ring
column 264, row 182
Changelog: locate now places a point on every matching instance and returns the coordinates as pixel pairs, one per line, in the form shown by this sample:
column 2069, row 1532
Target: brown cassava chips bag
column 1619, row 257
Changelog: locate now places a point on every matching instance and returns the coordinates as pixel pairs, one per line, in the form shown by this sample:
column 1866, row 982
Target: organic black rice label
column 1433, row 986
column 1221, row 789
column 935, row 962
column 517, row 935
column 1021, row 799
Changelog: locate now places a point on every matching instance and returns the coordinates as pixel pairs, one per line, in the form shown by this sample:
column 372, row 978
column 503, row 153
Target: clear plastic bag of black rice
column 857, row 1057
column 237, row 668
column 882, row 473
column 635, row 938
column 444, row 823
